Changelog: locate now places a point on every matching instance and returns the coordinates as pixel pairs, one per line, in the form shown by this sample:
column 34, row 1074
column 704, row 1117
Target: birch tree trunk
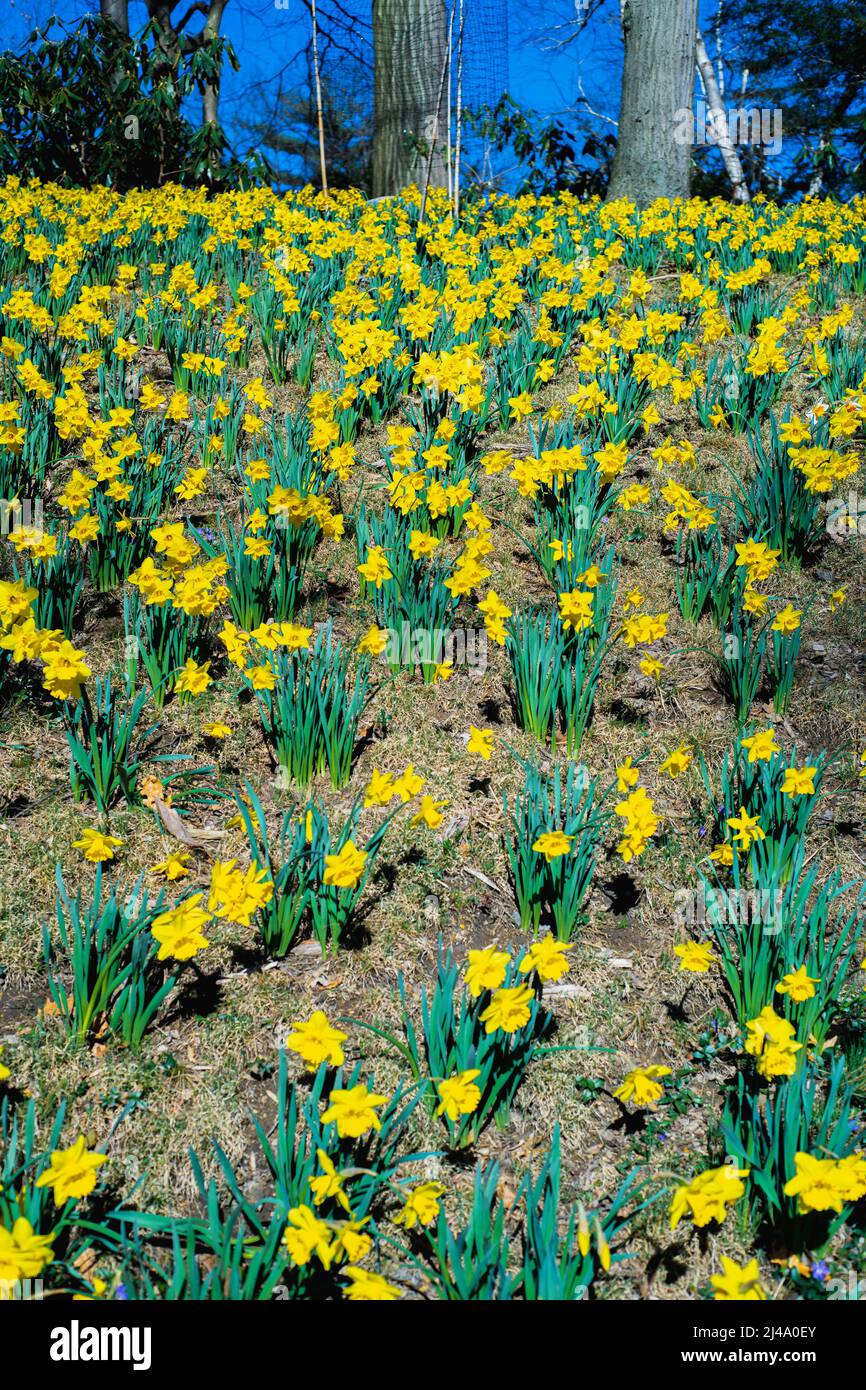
column 816, row 182
column 719, row 122
column 652, row 158
column 410, row 40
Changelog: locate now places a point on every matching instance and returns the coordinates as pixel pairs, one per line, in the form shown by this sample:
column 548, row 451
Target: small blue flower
column 820, row 1270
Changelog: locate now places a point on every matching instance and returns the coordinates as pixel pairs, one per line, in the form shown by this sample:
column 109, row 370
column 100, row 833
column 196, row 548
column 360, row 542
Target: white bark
column 817, row 180
column 719, row 121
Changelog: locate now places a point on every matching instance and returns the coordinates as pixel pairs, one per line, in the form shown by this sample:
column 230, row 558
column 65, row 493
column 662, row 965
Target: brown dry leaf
column 50, row 1009
column 85, row 1261
column 152, row 790
column 454, row 827
column 506, row 1192
column 306, row 948
column 194, row 836
column 529, row 1148
column 482, row 878
column 566, row 991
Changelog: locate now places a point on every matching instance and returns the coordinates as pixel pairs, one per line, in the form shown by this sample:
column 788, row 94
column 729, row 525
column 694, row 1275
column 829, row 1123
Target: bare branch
column 570, row 30
column 599, row 115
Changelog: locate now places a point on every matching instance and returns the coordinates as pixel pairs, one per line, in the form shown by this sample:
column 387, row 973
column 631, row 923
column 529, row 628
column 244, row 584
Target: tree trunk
column 166, row 40
column 172, row 44
column 117, row 13
column 653, row 151
column 410, row 39
column 211, row 91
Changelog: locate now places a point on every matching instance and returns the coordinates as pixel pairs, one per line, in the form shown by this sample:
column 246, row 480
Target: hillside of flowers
column 431, row 819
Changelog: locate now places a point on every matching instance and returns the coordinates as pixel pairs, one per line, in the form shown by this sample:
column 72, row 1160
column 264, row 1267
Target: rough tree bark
column 410, row 39
column 658, row 84
column 117, row 12
column 211, row 91
column 719, row 119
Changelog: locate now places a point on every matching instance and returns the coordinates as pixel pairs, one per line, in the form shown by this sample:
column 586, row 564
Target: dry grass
column 209, row 1060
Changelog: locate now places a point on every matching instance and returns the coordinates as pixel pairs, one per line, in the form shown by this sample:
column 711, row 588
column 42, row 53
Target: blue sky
column 268, row 34
column 266, row 38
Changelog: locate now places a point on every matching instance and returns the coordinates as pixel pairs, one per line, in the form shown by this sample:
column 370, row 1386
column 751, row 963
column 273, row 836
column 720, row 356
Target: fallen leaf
column 194, row 836
column 482, row 878
column 306, row 948
column 85, row 1262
